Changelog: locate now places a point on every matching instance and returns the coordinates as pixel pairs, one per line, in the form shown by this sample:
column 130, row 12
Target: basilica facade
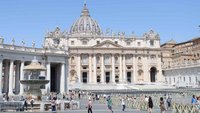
column 84, row 58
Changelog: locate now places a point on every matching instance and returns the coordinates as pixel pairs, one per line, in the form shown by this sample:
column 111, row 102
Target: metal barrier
column 16, row 105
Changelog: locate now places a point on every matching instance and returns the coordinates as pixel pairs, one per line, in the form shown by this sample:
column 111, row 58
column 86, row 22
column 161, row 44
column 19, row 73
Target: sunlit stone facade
column 181, row 63
column 106, row 58
column 84, row 58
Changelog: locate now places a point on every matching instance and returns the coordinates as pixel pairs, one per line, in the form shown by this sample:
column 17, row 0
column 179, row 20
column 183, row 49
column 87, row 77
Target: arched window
column 153, row 72
column 84, row 59
column 72, row 60
column 116, row 60
column 98, row 60
column 107, row 59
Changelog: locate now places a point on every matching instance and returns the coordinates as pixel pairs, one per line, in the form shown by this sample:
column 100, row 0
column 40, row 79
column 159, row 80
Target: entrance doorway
column 55, row 78
column 153, row 74
column 107, row 77
column 84, row 77
column 128, row 75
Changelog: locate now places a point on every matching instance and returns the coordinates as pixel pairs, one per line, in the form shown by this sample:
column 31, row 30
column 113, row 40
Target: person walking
column 109, row 103
column 194, row 100
column 26, row 104
column 32, row 104
column 169, row 101
column 123, row 104
column 150, row 104
column 53, row 104
column 162, row 105
column 89, row 106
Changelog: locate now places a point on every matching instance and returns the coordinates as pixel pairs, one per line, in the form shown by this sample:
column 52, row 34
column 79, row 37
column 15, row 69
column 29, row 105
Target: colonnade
column 12, row 71
column 93, row 71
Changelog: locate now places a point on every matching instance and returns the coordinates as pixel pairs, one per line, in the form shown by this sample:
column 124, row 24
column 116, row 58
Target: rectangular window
column 138, row 43
column 72, row 42
column 128, row 43
column 84, row 77
column 98, row 42
column 151, row 43
column 190, row 80
column 107, row 77
column 84, row 42
column 116, row 42
column 128, row 77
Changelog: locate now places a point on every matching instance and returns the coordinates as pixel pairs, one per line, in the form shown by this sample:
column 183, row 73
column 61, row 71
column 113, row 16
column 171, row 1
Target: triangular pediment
column 107, row 44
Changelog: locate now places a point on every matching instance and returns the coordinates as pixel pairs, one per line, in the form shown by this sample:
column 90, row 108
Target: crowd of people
column 165, row 102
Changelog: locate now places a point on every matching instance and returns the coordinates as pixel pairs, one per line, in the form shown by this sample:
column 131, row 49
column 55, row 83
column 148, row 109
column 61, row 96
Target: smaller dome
column 85, row 24
column 171, row 42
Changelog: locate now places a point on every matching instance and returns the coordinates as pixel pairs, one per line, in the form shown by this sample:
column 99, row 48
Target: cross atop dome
column 85, row 11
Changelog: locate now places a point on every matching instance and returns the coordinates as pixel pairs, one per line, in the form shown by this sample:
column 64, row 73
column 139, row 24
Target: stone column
column 113, row 69
column 79, row 68
column 17, row 77
column 21, row 78
column 90, row 68
column 124, row 69
column 48, row 86
column 62, row 79
column 1, row 67
column 120, row 69
column 134, row 69
column 102, row 69
column 94, row 69
column 6, row 75
column 10, row 92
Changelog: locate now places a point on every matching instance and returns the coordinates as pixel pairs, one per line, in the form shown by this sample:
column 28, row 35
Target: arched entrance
column 153, row 74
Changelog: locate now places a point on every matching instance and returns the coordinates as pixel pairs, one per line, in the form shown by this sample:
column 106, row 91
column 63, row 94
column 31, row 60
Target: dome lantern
column 85, row 25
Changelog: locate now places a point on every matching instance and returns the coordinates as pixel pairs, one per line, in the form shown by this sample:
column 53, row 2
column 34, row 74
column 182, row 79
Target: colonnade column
column 1, row 67
column 102, row 69
column 21, row 78
column 48, row 86
column 6, row 76
column 120, row 69
column 10, row 92
column 62, row 78
column 113, row 69
column 94, row 69
column 124, row 69
column 17, row 77
column 134, row 69
column 79, row 68
column 90, row 68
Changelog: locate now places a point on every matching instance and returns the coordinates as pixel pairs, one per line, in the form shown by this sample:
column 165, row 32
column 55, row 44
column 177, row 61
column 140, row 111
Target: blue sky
column 29, row 20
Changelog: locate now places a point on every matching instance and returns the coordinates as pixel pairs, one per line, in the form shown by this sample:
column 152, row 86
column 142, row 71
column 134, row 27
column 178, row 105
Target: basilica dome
column 85, row 25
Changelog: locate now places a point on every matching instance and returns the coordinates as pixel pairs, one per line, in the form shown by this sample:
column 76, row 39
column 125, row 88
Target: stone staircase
column 136, row 86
